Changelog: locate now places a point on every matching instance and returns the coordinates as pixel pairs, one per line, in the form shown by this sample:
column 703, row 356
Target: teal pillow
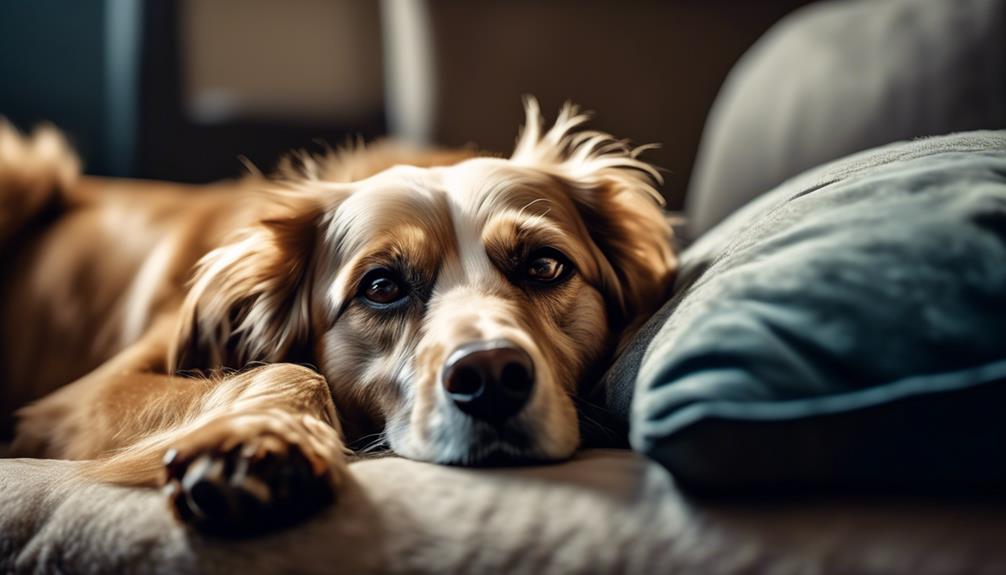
column 848, row 328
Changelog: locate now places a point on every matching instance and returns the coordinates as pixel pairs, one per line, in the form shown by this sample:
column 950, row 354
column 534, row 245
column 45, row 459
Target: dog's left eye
column 547, row 266
column 382, row 287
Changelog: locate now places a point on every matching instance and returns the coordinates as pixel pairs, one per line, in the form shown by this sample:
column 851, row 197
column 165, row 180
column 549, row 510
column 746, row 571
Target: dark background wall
column 179, row 89
column 648, row 69
column 52, row 68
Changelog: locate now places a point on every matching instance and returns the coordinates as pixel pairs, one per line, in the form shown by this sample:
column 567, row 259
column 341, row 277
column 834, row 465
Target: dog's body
column 452, row 304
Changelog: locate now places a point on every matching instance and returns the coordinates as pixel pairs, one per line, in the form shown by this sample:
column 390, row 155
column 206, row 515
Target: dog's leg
column 261, row 448
column 243, row 450
column 248, row 450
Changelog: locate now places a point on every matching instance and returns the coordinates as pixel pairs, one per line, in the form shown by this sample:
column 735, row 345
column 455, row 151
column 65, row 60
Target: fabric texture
column 847, row 328
column 835, row 78
column 607, row 511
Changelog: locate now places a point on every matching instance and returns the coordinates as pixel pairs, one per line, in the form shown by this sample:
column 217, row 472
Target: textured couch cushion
column 847, row 328
column 835, row 78
column 604, row 512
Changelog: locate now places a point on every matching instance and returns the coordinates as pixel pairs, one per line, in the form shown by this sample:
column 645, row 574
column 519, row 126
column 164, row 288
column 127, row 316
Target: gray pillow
column 838, row 77
column 847, row 328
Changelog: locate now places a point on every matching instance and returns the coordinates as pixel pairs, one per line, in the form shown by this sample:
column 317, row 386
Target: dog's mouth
column 498, row 446
column 498, row 458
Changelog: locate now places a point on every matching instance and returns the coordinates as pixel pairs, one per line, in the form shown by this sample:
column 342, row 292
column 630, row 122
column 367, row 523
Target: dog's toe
column 247, row 489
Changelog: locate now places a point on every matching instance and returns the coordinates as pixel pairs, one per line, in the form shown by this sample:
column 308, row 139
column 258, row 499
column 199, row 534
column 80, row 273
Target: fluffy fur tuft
column 588, row 156
column 617, row 195
column 33, row 170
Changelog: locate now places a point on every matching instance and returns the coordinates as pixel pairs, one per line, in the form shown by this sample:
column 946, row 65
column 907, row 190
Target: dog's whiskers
column 377, row 444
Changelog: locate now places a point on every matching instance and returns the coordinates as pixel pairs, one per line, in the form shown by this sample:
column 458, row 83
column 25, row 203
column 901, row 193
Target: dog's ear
column 249, row 299
column 615, row 193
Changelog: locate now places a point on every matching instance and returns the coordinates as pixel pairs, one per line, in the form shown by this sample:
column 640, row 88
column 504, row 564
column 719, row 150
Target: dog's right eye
column 382, row 287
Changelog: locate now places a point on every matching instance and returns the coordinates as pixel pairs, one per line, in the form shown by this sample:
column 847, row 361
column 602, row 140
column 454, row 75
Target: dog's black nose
column 489, row 380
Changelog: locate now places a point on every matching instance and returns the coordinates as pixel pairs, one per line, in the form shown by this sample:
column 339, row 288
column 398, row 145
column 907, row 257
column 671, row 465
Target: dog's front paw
column 253, row 472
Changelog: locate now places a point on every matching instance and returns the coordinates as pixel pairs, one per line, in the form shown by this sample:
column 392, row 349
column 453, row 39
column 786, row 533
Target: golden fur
column 131, row 303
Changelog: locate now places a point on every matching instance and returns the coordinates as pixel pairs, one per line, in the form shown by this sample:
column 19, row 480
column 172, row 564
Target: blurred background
column 180, row 89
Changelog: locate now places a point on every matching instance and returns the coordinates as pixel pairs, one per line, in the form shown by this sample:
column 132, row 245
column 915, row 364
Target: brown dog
column 451, row 304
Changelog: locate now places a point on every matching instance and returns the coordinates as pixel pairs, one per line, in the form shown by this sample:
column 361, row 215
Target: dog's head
column 457, row 306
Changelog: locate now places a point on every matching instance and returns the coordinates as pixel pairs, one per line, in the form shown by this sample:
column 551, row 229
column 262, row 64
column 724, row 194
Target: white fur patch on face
column 472, row 266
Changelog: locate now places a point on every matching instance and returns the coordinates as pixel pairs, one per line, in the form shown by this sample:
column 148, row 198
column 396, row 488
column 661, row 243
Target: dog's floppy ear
column 614, row 191
column 249, row 299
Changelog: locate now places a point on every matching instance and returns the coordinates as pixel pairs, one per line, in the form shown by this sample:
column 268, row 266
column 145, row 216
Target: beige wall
column 292, row 60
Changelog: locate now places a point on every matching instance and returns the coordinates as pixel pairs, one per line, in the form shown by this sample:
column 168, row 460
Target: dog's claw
column 170, row 456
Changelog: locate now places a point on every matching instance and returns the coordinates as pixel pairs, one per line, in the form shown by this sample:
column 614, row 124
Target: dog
column 227, row 342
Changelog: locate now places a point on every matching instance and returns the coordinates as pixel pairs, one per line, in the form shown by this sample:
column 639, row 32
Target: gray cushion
column 839, row 77
column 847, row 328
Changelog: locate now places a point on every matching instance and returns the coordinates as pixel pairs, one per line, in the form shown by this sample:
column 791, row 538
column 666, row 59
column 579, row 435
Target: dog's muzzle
column 489, row 380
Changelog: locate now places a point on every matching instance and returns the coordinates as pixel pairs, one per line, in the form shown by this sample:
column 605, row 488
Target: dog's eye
column 547, row 266
column 383, row 287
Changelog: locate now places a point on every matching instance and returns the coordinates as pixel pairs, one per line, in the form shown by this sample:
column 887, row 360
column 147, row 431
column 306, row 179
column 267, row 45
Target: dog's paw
column 253, row 472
